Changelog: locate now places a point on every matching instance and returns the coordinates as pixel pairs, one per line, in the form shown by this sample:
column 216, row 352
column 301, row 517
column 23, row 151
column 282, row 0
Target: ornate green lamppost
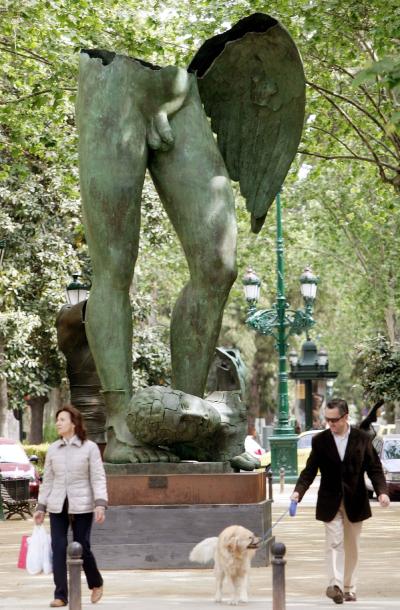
column 280, row 322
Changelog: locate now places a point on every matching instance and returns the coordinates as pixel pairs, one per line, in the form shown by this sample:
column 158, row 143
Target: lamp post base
column 284, row 455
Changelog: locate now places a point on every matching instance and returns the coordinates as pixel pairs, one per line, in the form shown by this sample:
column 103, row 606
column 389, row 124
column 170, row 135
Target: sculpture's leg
column 195, row 188
column 113, row 158
column 113, row 155
column 112, row 169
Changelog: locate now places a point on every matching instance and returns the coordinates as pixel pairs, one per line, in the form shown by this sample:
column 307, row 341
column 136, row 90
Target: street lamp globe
column 308, row 285
column 251, row 285
column 76, row 291
column 322, row 358
column 329, row 388
column 293, row 358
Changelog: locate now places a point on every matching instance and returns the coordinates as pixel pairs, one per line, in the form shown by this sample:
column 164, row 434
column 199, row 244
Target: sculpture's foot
column 245, row 461
column 228, row 441
column 133, row 452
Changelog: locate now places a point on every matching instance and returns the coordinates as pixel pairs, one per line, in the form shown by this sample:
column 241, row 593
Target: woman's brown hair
column 76, row 419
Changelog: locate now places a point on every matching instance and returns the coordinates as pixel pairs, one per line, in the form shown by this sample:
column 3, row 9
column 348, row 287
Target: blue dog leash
column 292, row 512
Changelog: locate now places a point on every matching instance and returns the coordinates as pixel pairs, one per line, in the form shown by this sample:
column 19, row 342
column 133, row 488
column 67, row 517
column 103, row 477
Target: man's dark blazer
column 342, row 480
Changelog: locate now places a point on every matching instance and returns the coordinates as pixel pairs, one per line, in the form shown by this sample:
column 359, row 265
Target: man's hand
column 295, row 496
column 99, row 514
column 384, row 500
column 38, row 517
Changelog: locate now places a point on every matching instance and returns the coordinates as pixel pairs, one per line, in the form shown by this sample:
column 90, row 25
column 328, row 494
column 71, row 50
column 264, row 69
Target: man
column 342, row 454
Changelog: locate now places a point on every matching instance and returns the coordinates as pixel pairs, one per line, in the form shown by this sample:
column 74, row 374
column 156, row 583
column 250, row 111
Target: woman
column 74, row 486
column 251, row 444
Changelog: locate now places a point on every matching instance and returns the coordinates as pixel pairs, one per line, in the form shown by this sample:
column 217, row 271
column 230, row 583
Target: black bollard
column 278, row 576
column 270, row 475
column 74, row 562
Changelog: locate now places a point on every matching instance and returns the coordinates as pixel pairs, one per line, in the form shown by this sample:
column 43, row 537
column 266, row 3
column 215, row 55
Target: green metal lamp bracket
column 266, row 321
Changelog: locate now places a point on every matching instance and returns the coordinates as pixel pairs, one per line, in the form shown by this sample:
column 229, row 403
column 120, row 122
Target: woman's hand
column 38, row 517
column 99, row 514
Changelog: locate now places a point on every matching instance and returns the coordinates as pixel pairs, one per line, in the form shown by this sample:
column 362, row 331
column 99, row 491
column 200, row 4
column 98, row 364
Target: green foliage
column 387, row 72
column 379, row 367
column 342, row 217
column 50, row 433
column 40, row 451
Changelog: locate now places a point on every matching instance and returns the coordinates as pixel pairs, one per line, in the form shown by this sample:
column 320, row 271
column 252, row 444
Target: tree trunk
column 3, row 392
column 263, row 379
column 391, row 324
column 391, row 310
column 36, row 429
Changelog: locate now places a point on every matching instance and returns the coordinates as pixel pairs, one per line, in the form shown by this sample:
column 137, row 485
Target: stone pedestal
column 155, row 518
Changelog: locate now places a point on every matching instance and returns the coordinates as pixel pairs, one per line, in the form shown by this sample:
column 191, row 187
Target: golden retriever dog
column 232, row 552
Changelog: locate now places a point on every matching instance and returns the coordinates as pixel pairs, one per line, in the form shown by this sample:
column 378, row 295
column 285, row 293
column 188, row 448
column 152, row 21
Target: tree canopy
column 341, row 198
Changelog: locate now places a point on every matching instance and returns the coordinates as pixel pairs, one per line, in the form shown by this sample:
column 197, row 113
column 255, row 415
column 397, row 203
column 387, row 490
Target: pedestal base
column 157, row 487
column 156, row 516
column 160, row 537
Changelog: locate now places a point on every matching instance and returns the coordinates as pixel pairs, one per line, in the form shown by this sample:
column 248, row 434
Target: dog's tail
column 204, row 551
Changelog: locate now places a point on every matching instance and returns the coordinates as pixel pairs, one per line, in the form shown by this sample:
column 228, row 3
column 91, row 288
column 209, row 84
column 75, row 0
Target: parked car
column 386, row 429
column 303, row 450
column 388, row 450
column 14, row 463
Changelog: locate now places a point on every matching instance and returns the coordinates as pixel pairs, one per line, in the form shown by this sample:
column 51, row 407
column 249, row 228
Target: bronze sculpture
column 83, row 380
column 133, row 116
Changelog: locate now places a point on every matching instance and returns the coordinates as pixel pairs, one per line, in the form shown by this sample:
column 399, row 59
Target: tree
column 40, row 212
column 342, row 216
column 378, row 365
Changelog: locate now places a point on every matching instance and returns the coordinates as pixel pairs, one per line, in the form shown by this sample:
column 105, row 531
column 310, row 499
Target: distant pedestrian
column 342, row 454
column 252, row 445
column 74, row 486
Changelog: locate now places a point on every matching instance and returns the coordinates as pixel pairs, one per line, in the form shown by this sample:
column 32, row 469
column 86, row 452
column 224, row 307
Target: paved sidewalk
column 379, row 584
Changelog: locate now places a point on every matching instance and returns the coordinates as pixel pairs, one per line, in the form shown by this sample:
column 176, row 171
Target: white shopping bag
column 38, row 558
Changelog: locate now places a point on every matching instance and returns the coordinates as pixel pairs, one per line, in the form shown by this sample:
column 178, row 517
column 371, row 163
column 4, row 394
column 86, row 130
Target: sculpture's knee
column 220, row 275
column 229, row 274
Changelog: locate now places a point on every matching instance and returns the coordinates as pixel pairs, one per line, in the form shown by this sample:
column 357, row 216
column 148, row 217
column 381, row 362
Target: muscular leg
column 194, row 186
column 113, row 156
column 121, row 106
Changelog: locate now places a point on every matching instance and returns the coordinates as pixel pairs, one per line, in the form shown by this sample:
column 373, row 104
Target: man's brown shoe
column 96, row 596
column 335, row 594
column 57, row 603
column 350, row 597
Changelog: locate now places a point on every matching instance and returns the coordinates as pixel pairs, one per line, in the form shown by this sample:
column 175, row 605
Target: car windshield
column 304, row 442
column 13, row 453
column 391, row 450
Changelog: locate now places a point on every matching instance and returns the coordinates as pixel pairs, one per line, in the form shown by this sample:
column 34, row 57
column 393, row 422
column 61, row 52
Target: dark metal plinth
column 182, row 489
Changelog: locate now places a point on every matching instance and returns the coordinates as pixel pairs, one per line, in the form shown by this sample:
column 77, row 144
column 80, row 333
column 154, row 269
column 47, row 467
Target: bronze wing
column 252, row 85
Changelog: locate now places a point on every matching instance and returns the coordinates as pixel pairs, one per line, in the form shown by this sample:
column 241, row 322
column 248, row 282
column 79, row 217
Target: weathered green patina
column 192, row 428
column 133, row 116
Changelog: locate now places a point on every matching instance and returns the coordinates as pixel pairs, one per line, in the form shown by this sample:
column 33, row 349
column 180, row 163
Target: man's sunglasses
column 333, row 420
